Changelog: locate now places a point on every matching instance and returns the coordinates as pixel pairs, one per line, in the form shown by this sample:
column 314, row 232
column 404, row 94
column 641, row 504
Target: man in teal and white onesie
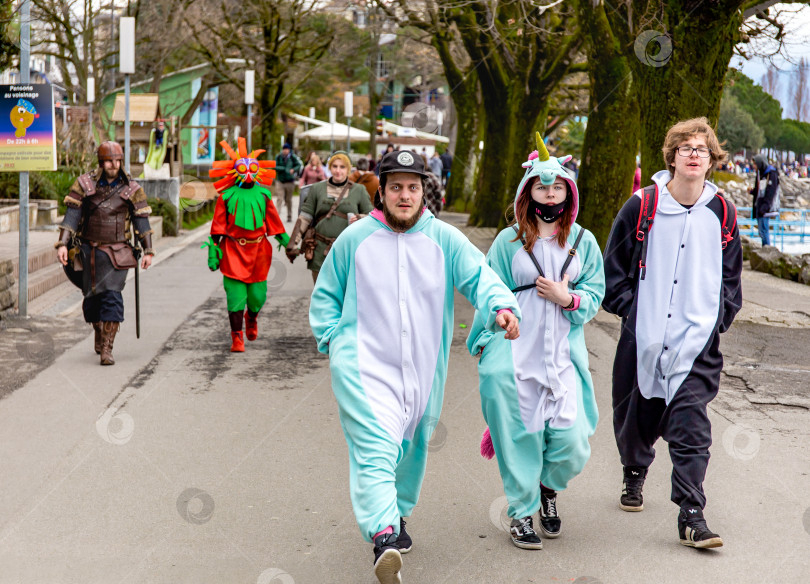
column 382, row 310
column 536, row 392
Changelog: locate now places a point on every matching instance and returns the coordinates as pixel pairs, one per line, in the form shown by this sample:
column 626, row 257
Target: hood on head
column 761, row 162
column 547, row 168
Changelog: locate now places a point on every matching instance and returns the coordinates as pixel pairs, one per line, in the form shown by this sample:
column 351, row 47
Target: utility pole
column 126, row 65
column 25, row 79
column 348, row 106
column 250, row 91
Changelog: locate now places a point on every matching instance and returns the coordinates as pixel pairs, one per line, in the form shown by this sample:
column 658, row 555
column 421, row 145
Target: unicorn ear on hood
column 564, row 159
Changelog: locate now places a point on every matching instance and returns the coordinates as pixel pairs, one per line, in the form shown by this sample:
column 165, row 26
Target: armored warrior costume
column 100, row 207
column 244, row 217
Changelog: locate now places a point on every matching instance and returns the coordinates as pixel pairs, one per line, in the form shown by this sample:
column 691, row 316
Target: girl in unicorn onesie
column 536, row 391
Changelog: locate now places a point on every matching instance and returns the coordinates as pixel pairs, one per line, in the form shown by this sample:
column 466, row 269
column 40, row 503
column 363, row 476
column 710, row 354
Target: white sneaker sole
column 550, row 534
column 527, row 546
column 714, row 542
column 388, row 566
column 631, row 509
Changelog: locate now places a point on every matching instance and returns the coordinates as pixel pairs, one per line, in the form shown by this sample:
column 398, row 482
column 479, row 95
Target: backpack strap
column 725, row 232
column 534, row 261
column 646, row 215
column 572, row 252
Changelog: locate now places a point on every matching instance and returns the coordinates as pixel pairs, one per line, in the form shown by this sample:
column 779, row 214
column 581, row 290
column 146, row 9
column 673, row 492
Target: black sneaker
column 404, row 540
column 631, row 492
column 524, row 536
column 387, row 559
column 693, row 530
column 550, row 522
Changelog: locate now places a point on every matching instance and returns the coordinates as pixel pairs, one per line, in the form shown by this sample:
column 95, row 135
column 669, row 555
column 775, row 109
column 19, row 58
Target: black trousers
column 684, row 424
column 107, row 306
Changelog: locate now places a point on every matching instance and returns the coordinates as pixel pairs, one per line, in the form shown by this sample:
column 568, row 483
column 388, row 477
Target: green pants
column 241, row 294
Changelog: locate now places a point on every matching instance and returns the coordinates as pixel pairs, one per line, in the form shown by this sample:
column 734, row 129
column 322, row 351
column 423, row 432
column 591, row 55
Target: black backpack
column 646, row 215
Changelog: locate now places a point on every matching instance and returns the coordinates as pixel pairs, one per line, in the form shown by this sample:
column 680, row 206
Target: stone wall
column 795, row 192
column 770, row 260
column 8, row 296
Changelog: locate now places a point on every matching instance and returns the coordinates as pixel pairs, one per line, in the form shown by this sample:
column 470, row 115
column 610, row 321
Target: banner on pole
column 27, row 133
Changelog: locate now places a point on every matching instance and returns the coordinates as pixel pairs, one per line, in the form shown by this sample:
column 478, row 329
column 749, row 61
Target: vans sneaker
column 693, row 530
column 523, row 534
column 404, row 541
column 632, row 499
column 387, row 559
column 550, row 522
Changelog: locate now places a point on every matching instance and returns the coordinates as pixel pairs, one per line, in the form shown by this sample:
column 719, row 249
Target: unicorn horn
column 541, row 148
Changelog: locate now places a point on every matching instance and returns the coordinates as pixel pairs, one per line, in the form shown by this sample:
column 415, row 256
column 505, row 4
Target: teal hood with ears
column 548, row 168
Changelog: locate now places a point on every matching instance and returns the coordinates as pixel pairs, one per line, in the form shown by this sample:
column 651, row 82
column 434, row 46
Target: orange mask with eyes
column 246, row 170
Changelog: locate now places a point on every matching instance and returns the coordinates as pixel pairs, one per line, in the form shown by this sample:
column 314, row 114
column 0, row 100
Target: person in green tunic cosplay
column 244, row 217
column 353, row 204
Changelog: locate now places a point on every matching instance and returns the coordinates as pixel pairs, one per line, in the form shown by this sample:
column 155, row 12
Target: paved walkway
column 186, row 463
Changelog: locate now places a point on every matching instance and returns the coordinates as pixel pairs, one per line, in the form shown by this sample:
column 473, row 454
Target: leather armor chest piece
column 105, row 216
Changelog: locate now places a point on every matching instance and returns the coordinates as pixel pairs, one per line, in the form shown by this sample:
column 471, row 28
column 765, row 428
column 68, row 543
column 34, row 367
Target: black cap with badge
column 402, row 161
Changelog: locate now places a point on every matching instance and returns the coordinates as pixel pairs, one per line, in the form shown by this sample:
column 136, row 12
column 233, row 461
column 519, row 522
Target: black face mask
column 547, row 213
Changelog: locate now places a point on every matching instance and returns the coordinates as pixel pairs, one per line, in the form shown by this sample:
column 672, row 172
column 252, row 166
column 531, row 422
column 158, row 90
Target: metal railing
column 795, row 228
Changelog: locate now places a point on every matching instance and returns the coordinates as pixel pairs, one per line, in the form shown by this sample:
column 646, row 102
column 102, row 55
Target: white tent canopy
column 396, row 130
column 335, row 131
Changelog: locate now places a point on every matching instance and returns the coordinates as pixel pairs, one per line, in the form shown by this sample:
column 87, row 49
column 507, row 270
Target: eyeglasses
column 702, row 151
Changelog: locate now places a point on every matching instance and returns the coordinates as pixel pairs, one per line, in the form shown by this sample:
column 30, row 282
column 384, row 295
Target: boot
column 97, row 341
column 108, row 330
column 251, row 325
column 237, row 342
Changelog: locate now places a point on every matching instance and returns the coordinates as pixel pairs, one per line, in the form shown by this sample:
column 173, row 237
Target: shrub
column 166, row 210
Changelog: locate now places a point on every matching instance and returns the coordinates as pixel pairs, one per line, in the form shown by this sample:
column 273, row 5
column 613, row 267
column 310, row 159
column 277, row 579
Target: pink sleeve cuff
column 576, row 304
column 509, row 310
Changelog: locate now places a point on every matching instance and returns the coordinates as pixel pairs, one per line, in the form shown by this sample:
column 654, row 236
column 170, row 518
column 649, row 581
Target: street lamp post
column 250, row 90
column 91, row 99
column 25, row 79
column 311, row 115
column 332, row 118
column 348, row 106
column 126, row 65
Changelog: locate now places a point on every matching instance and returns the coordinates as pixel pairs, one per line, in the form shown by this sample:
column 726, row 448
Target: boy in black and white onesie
column 675, row 298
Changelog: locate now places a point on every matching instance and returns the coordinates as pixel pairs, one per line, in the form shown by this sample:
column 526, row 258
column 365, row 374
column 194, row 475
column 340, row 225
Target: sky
column 797, row 45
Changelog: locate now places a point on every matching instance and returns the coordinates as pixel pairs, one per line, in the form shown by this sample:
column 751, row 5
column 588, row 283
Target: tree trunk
column 690, row 83
column 469, row 114
column 611, row 137
column 511, row 120
column 469, row 122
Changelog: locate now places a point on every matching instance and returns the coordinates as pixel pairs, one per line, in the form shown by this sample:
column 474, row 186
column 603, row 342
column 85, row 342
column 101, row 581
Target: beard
column 403, row 225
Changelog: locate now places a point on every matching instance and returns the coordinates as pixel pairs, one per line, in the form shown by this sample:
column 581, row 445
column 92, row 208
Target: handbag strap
column 336, row 203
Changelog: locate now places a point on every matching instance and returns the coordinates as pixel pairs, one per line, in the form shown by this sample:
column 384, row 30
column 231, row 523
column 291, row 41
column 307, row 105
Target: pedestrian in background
column 313, row 171
column 329, row 208
column 288, row 167
column 367, row 179
column 434, row 198
column 435, row 164
column 765, row 191
column 94, row 236
column 447, row 163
